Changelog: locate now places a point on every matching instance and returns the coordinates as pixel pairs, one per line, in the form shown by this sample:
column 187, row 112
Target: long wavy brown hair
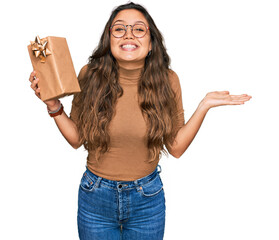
column 101, row 89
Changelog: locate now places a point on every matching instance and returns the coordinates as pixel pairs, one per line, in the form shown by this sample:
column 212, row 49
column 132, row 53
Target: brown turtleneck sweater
column 127, row 158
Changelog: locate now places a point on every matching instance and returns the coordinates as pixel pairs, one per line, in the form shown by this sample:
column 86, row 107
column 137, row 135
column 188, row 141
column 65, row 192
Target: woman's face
column 130, row 50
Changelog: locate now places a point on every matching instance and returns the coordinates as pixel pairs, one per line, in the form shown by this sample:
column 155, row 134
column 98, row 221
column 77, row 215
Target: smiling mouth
column 129, row 46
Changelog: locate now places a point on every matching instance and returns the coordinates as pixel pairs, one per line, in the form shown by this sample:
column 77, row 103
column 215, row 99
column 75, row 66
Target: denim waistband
column 124, row 184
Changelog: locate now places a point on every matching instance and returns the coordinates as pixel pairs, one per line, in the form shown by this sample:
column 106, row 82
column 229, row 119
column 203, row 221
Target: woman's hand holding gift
column 52, row 104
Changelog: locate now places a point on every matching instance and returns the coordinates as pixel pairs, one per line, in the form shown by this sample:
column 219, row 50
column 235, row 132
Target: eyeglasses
column 119, row 30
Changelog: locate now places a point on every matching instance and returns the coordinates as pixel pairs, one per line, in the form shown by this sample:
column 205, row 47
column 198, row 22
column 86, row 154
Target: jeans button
column 119, row 186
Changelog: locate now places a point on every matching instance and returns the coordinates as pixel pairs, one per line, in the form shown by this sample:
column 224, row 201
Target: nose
column 129, row 33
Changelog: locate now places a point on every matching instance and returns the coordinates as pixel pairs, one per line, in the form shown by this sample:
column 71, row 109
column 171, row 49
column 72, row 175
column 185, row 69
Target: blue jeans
column 121, row 210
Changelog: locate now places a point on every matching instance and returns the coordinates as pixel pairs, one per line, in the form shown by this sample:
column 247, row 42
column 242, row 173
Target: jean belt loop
column 98, row 182
column 160, row 168
column 137, row 185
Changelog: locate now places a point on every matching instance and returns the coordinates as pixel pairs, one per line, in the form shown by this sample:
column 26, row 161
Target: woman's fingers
column 32, row 76
column 239, row 99
column 34, row 83
column 37, row 92
column 243, row 97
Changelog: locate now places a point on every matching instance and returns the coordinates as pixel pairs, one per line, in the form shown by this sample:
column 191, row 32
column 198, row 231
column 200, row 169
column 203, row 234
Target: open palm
column 220, row 98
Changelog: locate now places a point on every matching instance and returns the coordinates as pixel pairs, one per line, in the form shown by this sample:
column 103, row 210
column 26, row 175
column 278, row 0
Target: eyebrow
column 124, row 21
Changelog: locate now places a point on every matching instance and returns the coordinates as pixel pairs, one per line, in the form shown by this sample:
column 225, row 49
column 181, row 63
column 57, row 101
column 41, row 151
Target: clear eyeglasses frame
column 138, row 30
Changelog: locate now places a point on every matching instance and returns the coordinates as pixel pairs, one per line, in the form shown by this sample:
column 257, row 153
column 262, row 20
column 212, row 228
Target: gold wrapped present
column 52, row 61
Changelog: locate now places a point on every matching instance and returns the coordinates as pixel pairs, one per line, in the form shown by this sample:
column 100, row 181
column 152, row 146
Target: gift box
column 52, row 61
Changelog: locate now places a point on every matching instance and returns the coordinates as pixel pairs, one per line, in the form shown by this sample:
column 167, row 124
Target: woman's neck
column 130, row 74
column 131, row 65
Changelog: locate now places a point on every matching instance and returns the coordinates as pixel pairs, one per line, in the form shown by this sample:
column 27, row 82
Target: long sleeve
column 74, row 112
column 175, row 84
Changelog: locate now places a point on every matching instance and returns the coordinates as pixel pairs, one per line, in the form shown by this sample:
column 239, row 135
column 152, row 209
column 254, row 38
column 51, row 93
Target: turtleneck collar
column 129, row 76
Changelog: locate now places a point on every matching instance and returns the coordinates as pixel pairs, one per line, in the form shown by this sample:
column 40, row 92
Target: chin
column 131, row 59
column 134, row 57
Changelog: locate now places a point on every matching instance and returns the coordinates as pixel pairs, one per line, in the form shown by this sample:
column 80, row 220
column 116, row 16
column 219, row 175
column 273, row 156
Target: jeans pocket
column 87, row 183
column 152, row 188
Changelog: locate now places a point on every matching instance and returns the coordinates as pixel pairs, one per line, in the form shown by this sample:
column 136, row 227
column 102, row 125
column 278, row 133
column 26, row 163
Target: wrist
column 53, row 106
column 204, row 106
column 57, row 111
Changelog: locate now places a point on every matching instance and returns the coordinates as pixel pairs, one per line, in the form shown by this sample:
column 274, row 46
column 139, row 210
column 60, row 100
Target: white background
column 225, row 186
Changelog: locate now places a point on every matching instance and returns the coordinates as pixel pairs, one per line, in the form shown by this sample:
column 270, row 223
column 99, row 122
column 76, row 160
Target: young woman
column 129, row 108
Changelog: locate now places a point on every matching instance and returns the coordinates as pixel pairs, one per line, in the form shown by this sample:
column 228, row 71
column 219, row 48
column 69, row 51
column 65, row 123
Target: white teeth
column 129, row 46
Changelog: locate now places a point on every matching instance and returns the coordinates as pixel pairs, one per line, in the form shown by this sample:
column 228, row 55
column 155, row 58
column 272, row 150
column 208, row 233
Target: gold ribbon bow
column 39, row 48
